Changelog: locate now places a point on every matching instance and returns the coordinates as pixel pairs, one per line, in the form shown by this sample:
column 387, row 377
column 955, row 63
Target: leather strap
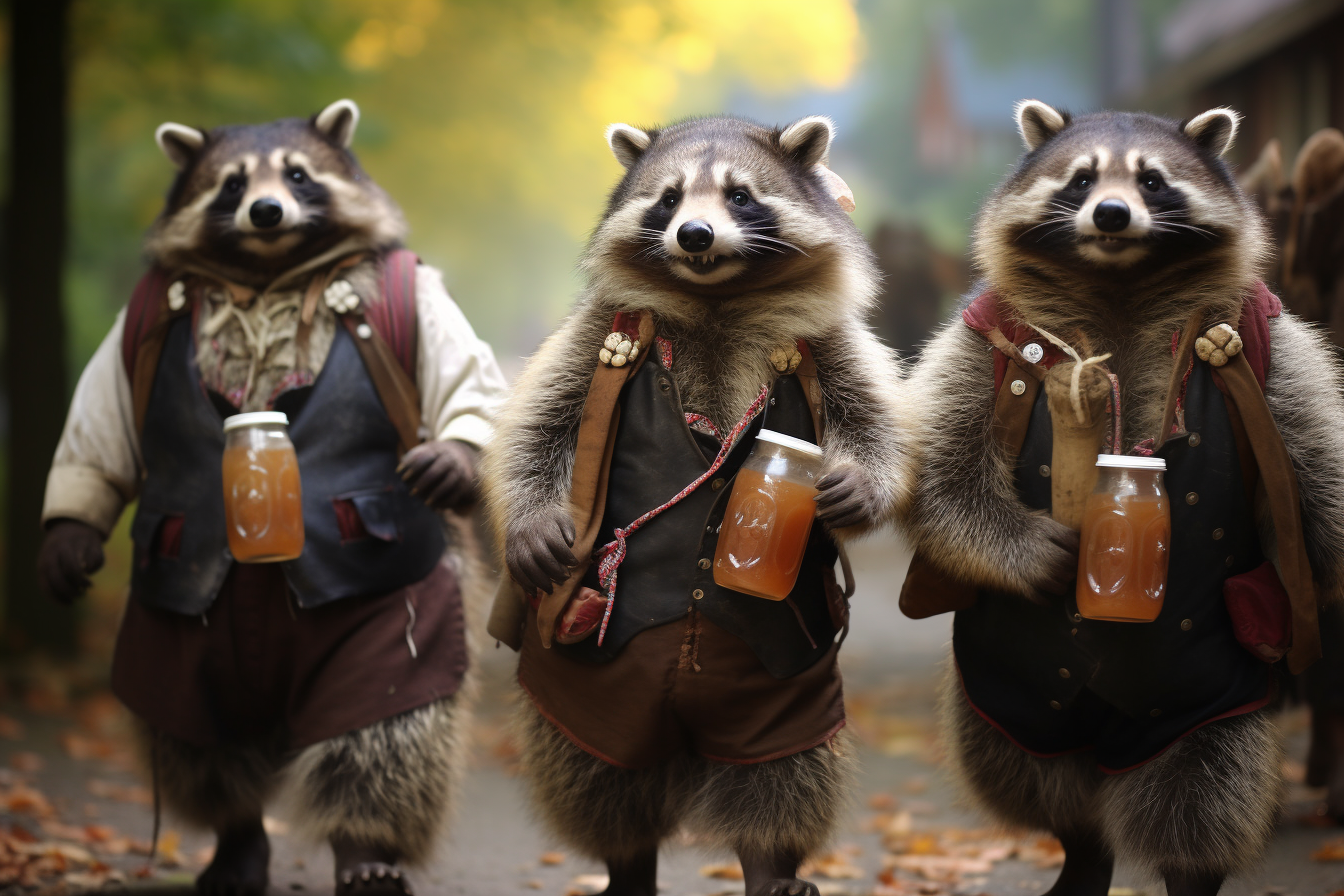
column 592, row 464
column 811, row 383
column 1280, row 479
column 1184, row 349
column 400, row 397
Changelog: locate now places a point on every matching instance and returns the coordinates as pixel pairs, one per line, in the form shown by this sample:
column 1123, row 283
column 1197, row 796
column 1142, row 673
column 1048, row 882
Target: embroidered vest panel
column 347, row 451
column 1037, row 670
column 656, row 455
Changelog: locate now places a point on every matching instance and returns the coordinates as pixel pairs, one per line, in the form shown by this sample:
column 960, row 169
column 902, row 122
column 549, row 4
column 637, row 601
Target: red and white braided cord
column 610, row 555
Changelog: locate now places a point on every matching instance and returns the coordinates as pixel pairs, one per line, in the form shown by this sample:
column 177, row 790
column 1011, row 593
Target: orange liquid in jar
column 764, row 535
column 263, row 504
column 1122, row 563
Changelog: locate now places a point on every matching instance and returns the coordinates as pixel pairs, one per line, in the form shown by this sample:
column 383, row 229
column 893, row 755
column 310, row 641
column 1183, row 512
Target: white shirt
column 97, row 468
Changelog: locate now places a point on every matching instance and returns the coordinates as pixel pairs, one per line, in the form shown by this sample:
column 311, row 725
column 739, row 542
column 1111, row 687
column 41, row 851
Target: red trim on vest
column 627, row 322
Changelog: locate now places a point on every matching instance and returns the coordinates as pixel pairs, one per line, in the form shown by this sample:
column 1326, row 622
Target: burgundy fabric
column 1256, row 311
column 348, row 520
column 393, row 317
column 627, row 322
column 142, row 314
column 170, row 535
column 258, row 666
column 1261, row 612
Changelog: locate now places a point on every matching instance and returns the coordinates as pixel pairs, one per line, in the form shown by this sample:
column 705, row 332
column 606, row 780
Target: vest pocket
column 156, row 534
column 1261, row 613
column 367, row 513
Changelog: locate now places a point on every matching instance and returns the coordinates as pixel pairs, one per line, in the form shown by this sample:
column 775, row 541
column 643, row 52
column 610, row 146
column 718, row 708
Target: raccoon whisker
column 785, row 243
column 1058, row 222
column 1171, row 226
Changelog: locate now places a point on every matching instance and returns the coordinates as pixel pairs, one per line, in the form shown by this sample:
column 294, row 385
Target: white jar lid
column 256, row 418
column 1131, row 462
column 778, row 438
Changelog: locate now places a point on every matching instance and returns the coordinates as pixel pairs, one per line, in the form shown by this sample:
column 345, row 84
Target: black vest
column 347, row 450
column 1056, row 682
column 655, row 456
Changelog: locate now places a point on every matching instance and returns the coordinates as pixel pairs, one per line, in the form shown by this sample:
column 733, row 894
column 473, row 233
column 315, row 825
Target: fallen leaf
column 587, row 885
column 882, row 802
column 1330, row 851
column 552, row 858
column 122, row 793
column 727, row 871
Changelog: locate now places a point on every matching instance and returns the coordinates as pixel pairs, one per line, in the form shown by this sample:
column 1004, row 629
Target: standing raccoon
column 1124, row 235
column 727, row 293
column 278, row 284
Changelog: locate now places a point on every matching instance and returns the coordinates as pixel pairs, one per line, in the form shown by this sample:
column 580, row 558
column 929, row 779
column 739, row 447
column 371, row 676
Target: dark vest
column 656, row 455
column 1056, row 682
column 347, row 450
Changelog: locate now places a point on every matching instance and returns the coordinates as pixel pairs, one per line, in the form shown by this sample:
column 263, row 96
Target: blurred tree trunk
column 34, row 363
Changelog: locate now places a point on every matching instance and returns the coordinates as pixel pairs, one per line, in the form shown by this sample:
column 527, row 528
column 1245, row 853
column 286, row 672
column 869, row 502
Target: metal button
column 1186, row 624
column 1217, row 534
column 1077, row 617
column 704, row 563
column 1045, row 470
column 1033, row 352
column 1018, row 387
column 1192, row 497
column 1064, row 673
column 1229, row 560
column 1055, row 704
column 1194, row 440
column 697, row 594
column 1073, row 631
column 364, row 330
column 1154, row 712
column 717, row 484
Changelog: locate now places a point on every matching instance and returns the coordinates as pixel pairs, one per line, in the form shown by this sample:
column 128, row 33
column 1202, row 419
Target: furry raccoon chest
column 720, row 387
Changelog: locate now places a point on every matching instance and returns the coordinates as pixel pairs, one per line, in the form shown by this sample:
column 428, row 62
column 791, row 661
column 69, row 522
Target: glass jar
column 769, row 517
column 263, row 501
column 1126, row 539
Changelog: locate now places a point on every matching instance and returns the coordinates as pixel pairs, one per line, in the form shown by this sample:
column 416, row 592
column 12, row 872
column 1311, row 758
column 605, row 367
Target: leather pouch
column 928, row 591
column 1261, row 613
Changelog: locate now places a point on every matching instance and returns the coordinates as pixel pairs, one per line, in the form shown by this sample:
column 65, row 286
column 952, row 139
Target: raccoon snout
column 695, row 236
column 1111, row 215
column 266, row 212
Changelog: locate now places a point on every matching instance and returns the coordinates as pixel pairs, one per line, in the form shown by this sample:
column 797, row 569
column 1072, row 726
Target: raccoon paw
column 848, row 497
column 1218, row 345
column 787, row 886
column 618, row 349
column 240, row 864
column 1056, row 565
column 537, row 550
column 373, row 879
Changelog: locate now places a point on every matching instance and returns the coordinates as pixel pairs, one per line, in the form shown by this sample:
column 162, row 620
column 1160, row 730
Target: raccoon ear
column 1213, row 130
column 179, row 142
column 1037, row 122
column 808, row 140
column 337, row 122
column 627, row 143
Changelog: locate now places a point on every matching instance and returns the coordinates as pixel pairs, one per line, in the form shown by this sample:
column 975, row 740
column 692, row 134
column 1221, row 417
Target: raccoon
column 278, row 283
column 1115, row 232
column 727, row 234
column 251, row 201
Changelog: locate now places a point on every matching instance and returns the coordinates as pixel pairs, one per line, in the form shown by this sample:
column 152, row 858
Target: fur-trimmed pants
column 787, row 806
column 1207, row 806
column 386, row 786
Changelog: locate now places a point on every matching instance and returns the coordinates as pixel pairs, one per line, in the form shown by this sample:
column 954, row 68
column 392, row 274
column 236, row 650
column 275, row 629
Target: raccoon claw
column 537, row 553
column 845, row 499
column 442, row 474
column 787, row 887
column 373, row 879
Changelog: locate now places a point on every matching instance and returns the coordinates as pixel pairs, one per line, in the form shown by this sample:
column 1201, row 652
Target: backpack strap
column 393, row 317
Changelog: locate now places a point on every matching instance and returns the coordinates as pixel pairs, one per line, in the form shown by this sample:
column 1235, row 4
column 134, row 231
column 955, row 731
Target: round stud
column 1229, row 560
column 1154, row 712
column 1055, row 704
column 718, row 484
column 1033, row 352
column 1064, row 673
column 1018, row 387
column 1186, row 625
column 177, row 295
column 1194, row 440
column 697, row 594
column 340, row 297
column 1217, row 534
column 1044, row 470
column 365, row 331
column 1077, row 617
column 612, row 341
column 604, row 355
column 1192, row 498
column 704, row 563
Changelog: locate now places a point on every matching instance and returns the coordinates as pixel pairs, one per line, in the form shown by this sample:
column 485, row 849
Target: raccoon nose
column 266, row 212
column 1111, row 216
column 695, row 236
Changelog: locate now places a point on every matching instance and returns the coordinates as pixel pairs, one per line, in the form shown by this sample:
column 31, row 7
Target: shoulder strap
column 811, row 383
column 592, row 461
column 396, row 389
column 393, row 316
column 144, row 330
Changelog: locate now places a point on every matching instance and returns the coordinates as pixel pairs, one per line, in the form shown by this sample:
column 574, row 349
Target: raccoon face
column 1106, row 192
column 263, row 198
column 719, row 205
